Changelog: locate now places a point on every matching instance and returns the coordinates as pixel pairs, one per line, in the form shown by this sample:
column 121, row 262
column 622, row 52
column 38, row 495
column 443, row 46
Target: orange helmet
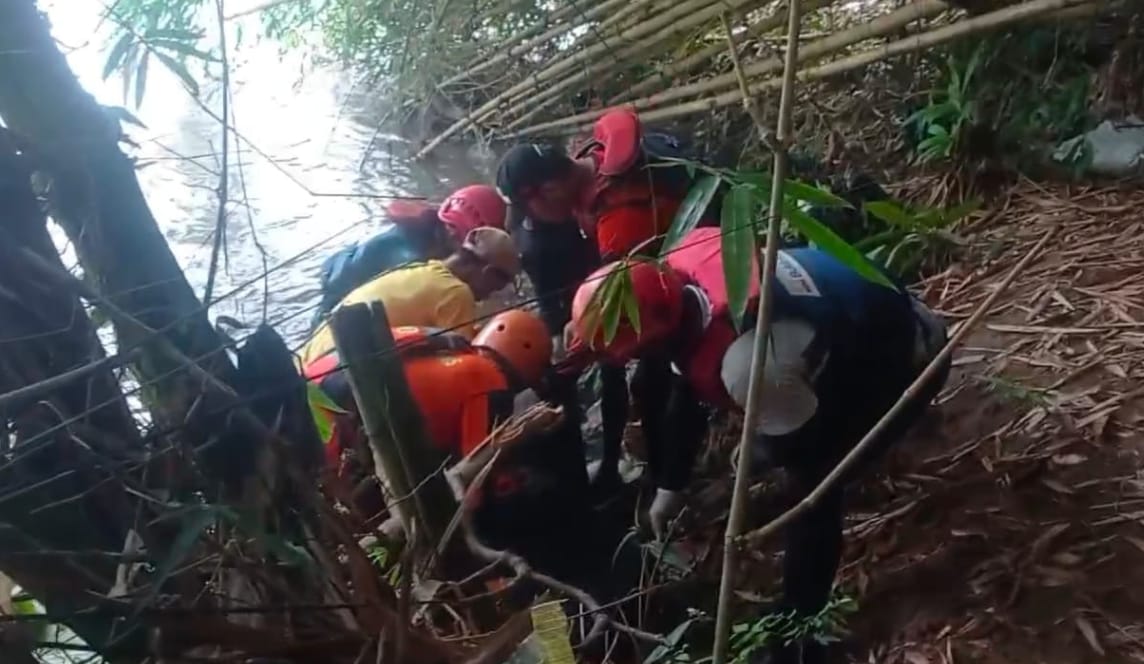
column 658, row 294
column 472, row 207
column 521, row 340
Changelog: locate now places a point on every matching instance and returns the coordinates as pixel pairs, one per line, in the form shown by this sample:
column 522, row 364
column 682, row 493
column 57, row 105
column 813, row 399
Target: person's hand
column 665, row 507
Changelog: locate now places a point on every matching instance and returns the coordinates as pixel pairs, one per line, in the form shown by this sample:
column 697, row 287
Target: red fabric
column 625, row 209
column 698, row 259
column 618, row 133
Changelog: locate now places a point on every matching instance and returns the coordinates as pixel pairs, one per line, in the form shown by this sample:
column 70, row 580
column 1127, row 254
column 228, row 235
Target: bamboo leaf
column 631, row 306
column 180, row 70
column 891, row 213
column 183, row 48
column 141, row 78
column 128, row 72
column 800, row 191
column 738, row 227
column 828, row 241
column 118, row 52
column 174, row 33
column 322, row 408
column 612, row 305
column 691, row 211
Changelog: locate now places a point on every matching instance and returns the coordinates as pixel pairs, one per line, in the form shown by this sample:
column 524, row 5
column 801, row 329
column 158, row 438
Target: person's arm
column 613, row 415
column 456, row 311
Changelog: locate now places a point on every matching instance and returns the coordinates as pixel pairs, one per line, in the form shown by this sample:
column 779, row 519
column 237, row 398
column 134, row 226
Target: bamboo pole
column 551, row 93
column 911, row 393
column 529, row 42
column 691, row 62
column 737, row 516
column 404, row 460
column 682, row 16
column 878, row 27
column 971, row 26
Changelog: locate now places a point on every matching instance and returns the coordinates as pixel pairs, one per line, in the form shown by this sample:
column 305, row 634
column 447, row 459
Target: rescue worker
column 600, row 204
column 417, row 231
column 532, row 502
column 435, row 293
column 842, row 351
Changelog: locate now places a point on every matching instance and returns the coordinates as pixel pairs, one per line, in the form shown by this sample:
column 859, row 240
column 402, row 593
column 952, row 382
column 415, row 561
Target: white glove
column 664, row 508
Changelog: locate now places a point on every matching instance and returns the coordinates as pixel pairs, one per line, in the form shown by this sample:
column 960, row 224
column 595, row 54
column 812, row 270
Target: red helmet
column 658, row 293
column 472, row 207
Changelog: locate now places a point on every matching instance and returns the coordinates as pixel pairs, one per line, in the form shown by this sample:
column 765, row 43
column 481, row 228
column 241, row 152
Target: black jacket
column 557, row 258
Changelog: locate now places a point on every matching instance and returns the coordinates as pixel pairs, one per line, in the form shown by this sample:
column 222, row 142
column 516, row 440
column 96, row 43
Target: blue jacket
column 359, row 262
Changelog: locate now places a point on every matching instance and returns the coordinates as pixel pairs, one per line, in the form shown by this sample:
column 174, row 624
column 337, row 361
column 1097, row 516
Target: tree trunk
column 95, row 196
column 63, row 436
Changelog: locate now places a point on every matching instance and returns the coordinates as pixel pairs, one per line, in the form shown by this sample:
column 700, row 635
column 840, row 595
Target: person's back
column 417, row 295
column 459, row 394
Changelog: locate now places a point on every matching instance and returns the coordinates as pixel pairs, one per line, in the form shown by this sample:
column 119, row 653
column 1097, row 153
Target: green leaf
column 738, row 226
column 118, row 52
column 183, row 48
column 141, row 78
column 801, row 191
column 174, row 33
column 180, row 70
column 127, row 74
column 631, row 306
column 671, row 643
column 317, row 397
column 321, row 409
column 938, row 130
column 690, row 211
column 891, row 213
column 613, row 284
column 826, row 240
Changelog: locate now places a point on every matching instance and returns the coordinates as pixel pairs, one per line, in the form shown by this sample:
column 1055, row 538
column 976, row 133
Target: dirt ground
column 1009, row 528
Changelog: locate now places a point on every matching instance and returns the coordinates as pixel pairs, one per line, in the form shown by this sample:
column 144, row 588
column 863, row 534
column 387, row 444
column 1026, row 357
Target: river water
column 309, row 165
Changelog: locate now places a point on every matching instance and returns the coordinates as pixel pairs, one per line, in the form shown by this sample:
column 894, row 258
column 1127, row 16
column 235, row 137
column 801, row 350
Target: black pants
column 813, row 546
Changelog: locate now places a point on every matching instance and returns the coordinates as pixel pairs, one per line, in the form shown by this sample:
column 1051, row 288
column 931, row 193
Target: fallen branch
column 911, row 393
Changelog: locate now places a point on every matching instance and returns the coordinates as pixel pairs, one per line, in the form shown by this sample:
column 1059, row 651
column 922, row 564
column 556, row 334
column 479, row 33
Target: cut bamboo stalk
column 691, row 62
column 736, row 519
column 526, row 41
column 878, row 27
column 404, row 460
column 680, row 17
column 970, row 26
column 531, row 105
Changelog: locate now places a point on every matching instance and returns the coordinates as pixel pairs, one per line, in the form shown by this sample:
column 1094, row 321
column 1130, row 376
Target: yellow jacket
column 422, row 295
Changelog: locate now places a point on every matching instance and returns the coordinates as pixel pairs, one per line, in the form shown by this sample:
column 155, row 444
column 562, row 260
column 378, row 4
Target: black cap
column 529, row 165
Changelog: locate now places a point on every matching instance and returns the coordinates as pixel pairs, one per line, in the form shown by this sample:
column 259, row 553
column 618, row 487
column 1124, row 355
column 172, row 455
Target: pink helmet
column 470, row 207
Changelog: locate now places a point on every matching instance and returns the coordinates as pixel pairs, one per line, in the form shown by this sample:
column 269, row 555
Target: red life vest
column 628, row 205
column 698, row 259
